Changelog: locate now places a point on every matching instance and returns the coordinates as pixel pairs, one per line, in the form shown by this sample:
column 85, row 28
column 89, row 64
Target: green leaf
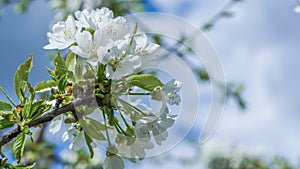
column 8, row 98
column 45, row 86
column 144, row 81
column 51, row 73
column 9, row 116
column 26, row 111
column 62, row 82
column 5, row 124
column 92, row 128
column 60, row 66
column 21, row 76
column 88, row 141
column 31, row 92
column 5, row 106
column 19, row 145
column 37, row 109
column 71, row 61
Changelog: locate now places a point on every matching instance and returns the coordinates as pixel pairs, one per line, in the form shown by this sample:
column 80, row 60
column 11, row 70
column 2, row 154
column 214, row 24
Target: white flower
column 142, row 131
column 116, row 29
column 63, row 34
column 158, row 127
column 96, row 36
column 127, row 66
column 93, row 19
column 168, row 93
column 142, row 47
column 135, row 149
column 113, row 162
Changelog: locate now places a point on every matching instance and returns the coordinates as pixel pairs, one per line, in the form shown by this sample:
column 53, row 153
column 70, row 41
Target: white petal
column 58, row 27
column 68, row 134
column 78, row 142
column 84, row 40
column 142, row 131
column 55, row 124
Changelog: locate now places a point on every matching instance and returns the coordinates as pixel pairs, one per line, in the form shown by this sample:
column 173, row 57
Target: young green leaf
column 51, row 73
column 5, row 106
column 26, row 111
column 18, row 146
column 71, row 61
column 60, row 66
column 62, row 82
column 144, row 81
column 21, row 76
column 5, row 124
column 31, row 92
column 45, row 86
column 37, row 109
column 92, row 128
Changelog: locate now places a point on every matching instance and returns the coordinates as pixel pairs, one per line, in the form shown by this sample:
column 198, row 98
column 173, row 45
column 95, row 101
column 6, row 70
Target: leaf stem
column 106, row 131
column 138, row 94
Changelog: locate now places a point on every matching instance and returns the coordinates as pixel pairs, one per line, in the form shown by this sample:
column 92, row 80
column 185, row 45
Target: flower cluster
column 99, row 37
column 113, row 56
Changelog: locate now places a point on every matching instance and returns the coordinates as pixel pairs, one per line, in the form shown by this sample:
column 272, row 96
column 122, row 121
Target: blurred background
column 258, row 44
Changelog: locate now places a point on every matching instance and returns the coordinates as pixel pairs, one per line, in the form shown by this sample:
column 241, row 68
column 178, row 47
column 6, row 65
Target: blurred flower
column 131, row 147
column 113, row 162
column 66, row 7
column 69, row 156
column 78, row 142
column 56, row 123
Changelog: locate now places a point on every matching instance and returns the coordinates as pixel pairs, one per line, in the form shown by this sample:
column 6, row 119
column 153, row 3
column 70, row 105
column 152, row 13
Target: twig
column 47, row 117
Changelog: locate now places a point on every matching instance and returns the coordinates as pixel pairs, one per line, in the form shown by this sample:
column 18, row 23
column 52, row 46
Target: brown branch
column 47, row 117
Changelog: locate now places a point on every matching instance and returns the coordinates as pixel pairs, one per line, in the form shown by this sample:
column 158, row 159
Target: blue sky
column 259, row 47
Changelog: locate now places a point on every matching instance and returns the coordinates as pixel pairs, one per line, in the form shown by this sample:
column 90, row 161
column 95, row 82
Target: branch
column 47, row 117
